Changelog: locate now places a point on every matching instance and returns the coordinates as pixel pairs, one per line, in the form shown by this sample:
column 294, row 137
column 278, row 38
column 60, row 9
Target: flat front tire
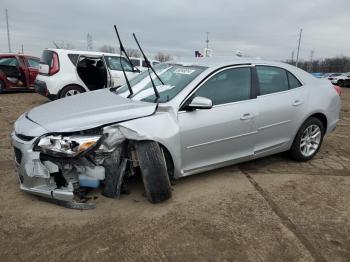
column 153, row 171
column 308, row 140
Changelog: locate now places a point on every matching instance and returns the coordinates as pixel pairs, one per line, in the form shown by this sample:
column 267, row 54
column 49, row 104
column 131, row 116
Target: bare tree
column 62, row 45
column 107, row 49
column 327, row 65
column 162, row 57
column 133, row 52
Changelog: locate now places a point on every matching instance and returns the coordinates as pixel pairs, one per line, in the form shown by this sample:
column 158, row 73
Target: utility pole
column 297, row 60
column 207, row 41
column 22, row 49
column 311, row 60
column 292, row 57
column 8, row 30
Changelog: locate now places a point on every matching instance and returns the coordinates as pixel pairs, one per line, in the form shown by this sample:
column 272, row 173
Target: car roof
column 224, row 61
column 16, row 54
column 81, row 52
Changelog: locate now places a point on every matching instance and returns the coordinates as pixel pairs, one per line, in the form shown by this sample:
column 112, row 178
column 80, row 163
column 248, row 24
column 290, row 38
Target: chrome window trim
column 207, row 78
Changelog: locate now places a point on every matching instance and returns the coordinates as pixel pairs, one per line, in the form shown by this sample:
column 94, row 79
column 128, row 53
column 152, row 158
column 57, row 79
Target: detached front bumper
column 31, row 171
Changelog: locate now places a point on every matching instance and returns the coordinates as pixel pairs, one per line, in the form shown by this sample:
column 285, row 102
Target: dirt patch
column 216, row 216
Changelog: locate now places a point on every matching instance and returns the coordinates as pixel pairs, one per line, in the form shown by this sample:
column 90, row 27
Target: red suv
column 17, row 72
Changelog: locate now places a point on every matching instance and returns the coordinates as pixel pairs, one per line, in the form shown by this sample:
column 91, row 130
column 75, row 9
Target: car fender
column 161, row 127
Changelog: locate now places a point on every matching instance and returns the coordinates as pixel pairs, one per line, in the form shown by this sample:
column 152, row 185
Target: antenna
column 297, row 60
column 8, row 30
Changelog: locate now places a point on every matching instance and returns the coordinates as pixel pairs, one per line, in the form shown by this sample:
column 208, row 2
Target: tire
column 2, row 86
column 305, row 147
column 153, row 171
column 70, row 91
column 340, row 83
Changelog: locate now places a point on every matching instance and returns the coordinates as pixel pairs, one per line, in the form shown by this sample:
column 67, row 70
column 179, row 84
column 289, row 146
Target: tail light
column 55, row 64
column 337, row 89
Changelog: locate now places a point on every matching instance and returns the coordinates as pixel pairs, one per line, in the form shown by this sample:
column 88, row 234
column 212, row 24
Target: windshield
column 175, row 78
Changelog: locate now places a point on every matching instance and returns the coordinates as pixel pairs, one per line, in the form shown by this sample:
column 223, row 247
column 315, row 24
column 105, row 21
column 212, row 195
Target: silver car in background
column 210, row 113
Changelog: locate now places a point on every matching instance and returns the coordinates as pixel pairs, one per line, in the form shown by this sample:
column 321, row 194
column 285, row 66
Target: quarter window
column 271, row 79
column 293, row 81
column 228, row 86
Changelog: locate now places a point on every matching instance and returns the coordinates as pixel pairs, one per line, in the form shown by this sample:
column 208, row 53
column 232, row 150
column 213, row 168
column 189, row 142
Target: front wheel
column 2, row 86
column 308, row 140
column 71, row 91
column 153, row 171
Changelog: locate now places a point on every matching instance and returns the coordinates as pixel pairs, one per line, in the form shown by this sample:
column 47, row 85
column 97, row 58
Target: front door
column 226, row 132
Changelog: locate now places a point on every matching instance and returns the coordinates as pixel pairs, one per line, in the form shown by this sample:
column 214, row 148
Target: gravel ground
column 271, row 209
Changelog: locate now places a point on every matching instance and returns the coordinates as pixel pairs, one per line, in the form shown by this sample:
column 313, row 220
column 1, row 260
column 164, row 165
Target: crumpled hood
column 88, row 110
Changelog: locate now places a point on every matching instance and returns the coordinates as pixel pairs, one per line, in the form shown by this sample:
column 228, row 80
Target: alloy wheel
column 310, row 140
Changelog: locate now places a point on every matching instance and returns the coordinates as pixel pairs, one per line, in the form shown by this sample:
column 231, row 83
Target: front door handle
column 246, row 116
column 297, row 103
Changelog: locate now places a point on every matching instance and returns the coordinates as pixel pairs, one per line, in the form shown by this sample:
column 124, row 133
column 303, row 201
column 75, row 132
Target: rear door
column 281, row 104
column 226, row 132
column 109, row 82
column 114, row 64
column 33, row 67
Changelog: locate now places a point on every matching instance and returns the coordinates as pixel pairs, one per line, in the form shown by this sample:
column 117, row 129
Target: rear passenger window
column 271, row 79
column 293, row 81
column 228, row 86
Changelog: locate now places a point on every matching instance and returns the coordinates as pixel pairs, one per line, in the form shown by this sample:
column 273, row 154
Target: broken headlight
column 67, row 146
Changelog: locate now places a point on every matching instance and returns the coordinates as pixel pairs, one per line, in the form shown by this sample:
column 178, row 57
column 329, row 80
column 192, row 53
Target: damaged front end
column 62, row 167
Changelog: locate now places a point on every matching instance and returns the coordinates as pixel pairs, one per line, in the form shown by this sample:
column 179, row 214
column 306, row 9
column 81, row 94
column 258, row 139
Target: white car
column 341, row 80
column 140, row 63
column 69, row 72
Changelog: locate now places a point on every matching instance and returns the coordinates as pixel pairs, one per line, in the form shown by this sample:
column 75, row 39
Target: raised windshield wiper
column 148, row 64
column 122, row 50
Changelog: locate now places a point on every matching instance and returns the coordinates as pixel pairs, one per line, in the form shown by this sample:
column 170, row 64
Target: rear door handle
column 297, row 103
column 246, row 116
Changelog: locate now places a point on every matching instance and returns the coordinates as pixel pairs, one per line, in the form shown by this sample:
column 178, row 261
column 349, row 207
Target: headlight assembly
column 67, row 146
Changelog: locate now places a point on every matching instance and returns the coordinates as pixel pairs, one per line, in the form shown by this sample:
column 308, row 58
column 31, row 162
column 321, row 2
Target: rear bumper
column 41, row 88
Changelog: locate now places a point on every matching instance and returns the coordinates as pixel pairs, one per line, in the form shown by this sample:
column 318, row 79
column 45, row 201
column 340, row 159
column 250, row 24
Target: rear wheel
column 2, row 86
column 153, row 171
column 71, row 91
column 308, row 140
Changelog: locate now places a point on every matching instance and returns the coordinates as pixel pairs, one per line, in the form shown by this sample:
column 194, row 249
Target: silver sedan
column 194, row 116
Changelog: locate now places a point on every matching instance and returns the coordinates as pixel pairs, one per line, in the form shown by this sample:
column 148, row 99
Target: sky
column 259, row 28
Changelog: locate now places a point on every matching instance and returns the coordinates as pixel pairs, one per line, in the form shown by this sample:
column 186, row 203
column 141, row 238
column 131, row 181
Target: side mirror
column 44, row 69
column 199, row 102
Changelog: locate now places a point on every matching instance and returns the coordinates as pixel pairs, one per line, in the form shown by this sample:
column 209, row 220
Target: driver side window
column 230, row 85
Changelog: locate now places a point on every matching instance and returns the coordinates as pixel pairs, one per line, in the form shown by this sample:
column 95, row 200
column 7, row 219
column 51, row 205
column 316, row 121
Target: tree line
column 160, row 56
column 337, row 64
